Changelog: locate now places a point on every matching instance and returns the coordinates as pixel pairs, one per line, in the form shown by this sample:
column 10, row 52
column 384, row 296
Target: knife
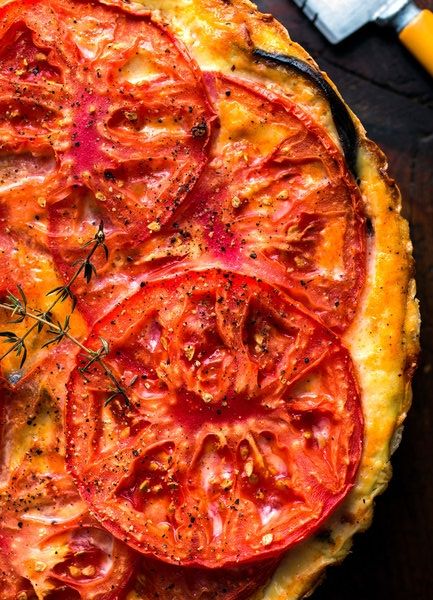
column 337, row 19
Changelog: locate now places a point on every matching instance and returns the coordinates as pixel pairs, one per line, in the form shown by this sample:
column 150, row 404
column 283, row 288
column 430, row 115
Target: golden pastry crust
column 383, row 339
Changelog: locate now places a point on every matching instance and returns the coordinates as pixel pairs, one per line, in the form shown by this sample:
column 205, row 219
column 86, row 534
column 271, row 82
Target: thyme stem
column 40, row 319
column 63, row 292
column 94, row 355
column 18, row 307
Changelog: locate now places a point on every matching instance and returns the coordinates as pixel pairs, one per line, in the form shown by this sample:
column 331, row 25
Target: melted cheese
column 238, row 123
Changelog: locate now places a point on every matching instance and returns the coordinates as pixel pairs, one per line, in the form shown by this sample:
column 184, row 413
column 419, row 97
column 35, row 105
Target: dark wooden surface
column 393, row 97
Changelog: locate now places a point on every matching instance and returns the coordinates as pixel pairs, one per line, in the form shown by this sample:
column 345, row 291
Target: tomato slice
column 101, row 108
column 73, row 222
column 168, row 582
column 50, row 545
column 275, row 201
column 244, row 428
column 72, row 561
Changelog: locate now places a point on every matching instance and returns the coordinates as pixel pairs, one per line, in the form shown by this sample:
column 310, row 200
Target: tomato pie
column 208, row 321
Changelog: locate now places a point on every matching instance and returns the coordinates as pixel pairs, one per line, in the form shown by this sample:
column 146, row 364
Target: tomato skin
column 227, row 377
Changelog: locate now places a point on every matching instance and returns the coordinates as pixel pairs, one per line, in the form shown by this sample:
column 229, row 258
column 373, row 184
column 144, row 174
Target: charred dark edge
column 343, row 121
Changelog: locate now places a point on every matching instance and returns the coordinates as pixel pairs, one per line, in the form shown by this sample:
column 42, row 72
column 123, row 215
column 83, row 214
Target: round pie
column 207, row 306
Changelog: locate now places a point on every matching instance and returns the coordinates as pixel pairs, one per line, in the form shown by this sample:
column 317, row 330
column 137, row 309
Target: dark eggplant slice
column 342, row 118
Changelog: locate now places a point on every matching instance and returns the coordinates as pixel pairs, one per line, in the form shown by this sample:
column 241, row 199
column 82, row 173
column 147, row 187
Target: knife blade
column 337, row 19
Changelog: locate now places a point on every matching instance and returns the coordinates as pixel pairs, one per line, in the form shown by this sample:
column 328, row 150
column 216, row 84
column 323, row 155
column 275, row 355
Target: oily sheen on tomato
column 242, row 429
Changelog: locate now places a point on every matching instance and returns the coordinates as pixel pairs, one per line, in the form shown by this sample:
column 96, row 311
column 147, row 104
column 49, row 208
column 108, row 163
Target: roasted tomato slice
column 101, row 112
column 275, row 201
column 156, row 580
column 51, row 547
column 242, row 430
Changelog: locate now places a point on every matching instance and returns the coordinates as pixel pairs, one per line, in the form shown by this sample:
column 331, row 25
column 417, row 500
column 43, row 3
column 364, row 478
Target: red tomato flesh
column 154, row 579
column 244, row 426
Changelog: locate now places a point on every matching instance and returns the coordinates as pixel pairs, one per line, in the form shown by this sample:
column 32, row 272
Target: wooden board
column 393, row 97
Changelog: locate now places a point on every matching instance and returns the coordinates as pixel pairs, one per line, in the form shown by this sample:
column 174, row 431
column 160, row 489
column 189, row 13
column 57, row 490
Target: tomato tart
column 208, row 315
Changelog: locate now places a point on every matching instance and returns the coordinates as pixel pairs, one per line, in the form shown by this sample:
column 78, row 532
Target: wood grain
column 393, row 97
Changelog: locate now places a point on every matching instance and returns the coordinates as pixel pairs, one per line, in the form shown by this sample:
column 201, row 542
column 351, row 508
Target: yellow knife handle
column 417, row 36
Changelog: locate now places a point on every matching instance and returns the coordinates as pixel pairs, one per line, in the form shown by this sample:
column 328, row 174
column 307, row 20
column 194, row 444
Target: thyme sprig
column 57, row 330
column 85, row 266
